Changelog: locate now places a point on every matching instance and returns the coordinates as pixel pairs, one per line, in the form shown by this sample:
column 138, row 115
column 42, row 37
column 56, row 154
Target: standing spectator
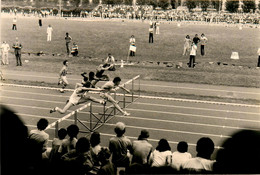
column 160, row 157
column 120, row 146
column 132, row 46
column 193, row 54
column 75, row 50
column 40, row 20
column 63, row 76
column 68, row 40
column 157, row 27
column 17, row 51
column 180, row 156
column 202, row 162
column 203, row 40
column 14, row 23
column 258, row 52
column 69, row 144
column 4, row 49
column 142, row 148
column 196, row 39
column 187, row 44
column 49, row 32
column 150, row 34
column 110, row 60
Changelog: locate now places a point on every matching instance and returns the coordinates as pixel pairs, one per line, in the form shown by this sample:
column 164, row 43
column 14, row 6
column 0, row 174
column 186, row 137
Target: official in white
column 49, row 32
column 4, row 49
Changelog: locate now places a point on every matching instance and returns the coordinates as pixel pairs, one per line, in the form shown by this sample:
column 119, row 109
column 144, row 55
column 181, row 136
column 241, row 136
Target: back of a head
column 119, row 129
column 117, row 79
column 62, row 133
column 91, row 74
column 205, row 147
column 182, row 147
column 64, row 62
column 73, row 130
column 95, row 139
column 240, row 154
column 82, row 145
column 163, row 145
column 42, row 124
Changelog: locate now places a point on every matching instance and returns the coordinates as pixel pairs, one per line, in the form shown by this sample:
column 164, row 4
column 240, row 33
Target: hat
column 144, row 133
column 120, row 126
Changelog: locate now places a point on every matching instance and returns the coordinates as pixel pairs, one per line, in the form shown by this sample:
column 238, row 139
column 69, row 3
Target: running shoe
column 126, row 113
column 53, row 110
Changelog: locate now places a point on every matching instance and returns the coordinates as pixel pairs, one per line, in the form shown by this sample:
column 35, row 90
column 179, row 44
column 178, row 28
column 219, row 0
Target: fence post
column 56, row 129
column 90, row 116
column 76, row 118
column 132, row 90
column 139, row 86
column 114, row 105
column 124, row 98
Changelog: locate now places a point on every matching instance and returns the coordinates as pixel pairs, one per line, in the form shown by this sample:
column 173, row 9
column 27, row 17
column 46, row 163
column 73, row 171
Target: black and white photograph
column 118, row 87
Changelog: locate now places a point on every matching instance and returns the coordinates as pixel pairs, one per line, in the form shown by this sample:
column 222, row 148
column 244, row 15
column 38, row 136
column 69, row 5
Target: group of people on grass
column 87, row 155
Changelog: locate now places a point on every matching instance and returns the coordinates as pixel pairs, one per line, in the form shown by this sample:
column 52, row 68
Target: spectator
column 49, row 32
column 110, row 61
column 160, row 157
column 95, row 147
column 78, row 161
column 120, row 146
column 196, row 39
column 187, row 45
column 193, row 55
column 69, row 144
column 157, row 27
column 180, row 156
column 202, row 162
column 258, row 52
column 18, row 52
column 150, row 34
column 5, row 49
column 14, row 23
column 142, row 148
column 68, row 40
column 203, row 40
column 132, row 46
column 40, row 20
column 107, row 167
column 240, row 154
column 75, row 50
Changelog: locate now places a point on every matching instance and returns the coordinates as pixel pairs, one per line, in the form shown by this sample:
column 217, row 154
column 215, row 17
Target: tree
column 216, row 4
column 232, row 6
column 141, row 2
column 128, row 2
column 152, row 2
column 204, row 5
column 248, row 6
column 190, row 4
column 163, row 4
column 173, row 4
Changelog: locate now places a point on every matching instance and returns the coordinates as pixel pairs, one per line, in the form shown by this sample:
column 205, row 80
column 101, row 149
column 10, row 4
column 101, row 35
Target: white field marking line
column 143, row 96
column 176, row 87
column 148, row 104
column 142, row 110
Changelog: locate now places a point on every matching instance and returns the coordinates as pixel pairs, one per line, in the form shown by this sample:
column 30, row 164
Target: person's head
column 163, row 145
column 91, row 75
column 117, row 81
column 109, row 54
column 104, row 155
column 119, row 129
column 42, row 124
column 182, row 147
column 205, row 147
column 95, row 139
column 67, row 34
column 202, row 34
column 65, row 62
column 240, row 154
column 132, row 36
column 62, row 133
column 196, row 35
column 72, row 131
column 82, row 145
column 49, row 25
column 4, row 42
column 86, row 84
column 16, row 39
column 188, row 36
column 85, row 79
column 74, row 43
column 143, row 135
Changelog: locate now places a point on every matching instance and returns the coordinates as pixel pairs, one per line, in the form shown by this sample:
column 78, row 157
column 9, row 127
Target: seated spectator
column 78, row 161
column 107, row 167
column 56, row 143
column 142, row 148
column 160, row 157
column 202, row 162
column 240, row 154
column 69, row 144
column 120, row 146
column 95, row 147
column 180, row 156
column 75, row 50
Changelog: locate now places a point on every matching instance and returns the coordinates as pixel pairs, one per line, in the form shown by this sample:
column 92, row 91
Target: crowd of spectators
column 22, row 152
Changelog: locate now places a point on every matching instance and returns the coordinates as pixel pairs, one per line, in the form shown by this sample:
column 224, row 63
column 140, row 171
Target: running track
column 170, row 119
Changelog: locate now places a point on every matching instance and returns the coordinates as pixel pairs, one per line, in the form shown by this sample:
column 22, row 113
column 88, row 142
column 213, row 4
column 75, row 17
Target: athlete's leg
column 110, row 99
column 64, row 110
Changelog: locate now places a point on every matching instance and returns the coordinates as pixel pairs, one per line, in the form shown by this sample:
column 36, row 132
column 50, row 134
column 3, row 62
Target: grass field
column 97, row 38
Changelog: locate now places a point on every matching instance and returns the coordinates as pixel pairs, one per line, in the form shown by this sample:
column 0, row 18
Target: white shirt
column 49, row 30
column 40, row 137
column 5, row 47
column 193, row 50
column 159, row 158
column 258, row 51
column 178, row 159
column 199, row 163
column 203, row 40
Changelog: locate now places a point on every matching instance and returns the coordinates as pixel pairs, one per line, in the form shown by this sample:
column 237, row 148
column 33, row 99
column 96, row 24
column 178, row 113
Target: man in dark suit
column 17, row 51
